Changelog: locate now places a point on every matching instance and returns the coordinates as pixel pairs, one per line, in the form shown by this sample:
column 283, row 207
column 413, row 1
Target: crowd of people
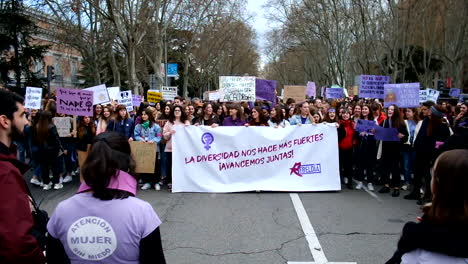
column 364, row 161
column 430, row 154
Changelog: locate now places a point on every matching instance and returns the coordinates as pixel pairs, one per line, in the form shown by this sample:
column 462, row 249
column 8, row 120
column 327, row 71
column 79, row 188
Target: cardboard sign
column 213, row 96
column 310, row 90
column 127, row 100
column 169, row 92
column 114, row 93
column 74, row 102
column 265, row 90
column 144, row 155
column 455, row 92
column 100, row 94
column 334, row 93
column 136, row 100
column 237, row 88
column 296, row 92
column 63, row 125
column 401, row 94
column 154, row 96
column 372, row 86
column 33, row 98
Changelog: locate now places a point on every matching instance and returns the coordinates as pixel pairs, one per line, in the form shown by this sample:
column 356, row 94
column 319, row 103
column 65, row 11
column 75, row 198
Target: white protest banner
column 100, row 94
column 432, row 95
column 213, row 96
column 169, row 92
column 114, row 93
column 63, row 125
column 238, row 159
column 33, row 98
column 237, row 88
column 125, row 98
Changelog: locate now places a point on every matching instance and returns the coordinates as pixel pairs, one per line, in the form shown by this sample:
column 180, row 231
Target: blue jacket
column 124, row 127
column 296, row 119
column 153, row 133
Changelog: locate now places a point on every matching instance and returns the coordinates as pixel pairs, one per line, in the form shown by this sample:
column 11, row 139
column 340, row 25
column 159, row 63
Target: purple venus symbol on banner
column 207, row 139
column 89, row 105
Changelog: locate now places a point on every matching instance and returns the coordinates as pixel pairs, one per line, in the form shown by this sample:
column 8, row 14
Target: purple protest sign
column 136, row 100
column 265, row 90
column 74, row 102
column 372, row 86
column 454, row 92
column 386, row 134
column 310, row 91
column 334, row 93
column 363, row 125
column 401, row 94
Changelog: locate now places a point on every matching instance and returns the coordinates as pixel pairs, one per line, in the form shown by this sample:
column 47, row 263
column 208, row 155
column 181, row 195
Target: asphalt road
column 350, row 226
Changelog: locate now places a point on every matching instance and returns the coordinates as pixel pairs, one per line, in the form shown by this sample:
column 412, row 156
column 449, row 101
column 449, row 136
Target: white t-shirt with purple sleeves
column 106, row 231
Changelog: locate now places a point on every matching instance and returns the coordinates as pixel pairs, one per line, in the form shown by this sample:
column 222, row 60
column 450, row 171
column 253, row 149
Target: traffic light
column 50, row 73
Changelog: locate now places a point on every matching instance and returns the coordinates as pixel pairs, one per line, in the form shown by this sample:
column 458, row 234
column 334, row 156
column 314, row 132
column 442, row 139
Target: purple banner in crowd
column 401, row 94
column 136, row 100
column 386, row 134
column 334, row 93
column 454, row 92
column 310, row 91
column 74, row 102
column 365, row 125
column 372, row 86
column 265, row 90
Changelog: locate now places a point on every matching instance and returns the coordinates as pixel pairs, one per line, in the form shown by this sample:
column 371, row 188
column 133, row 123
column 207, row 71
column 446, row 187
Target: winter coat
column 124, row 127
column 168, row 135
column 152, row 133
column 346, row 134
column 296, row 120
column 392, row 148
column 16, row 221
column 228, row 121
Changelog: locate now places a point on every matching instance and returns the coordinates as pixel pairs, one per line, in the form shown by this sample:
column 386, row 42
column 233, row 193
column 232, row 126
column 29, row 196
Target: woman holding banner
column 391, row 151
column 236, row 116
column 366, row 153
column 304, row 117
column 277, row 118
column 177, row 118
column 346, row 140
column 149, row 132
column 207, row 116
column 257, row 118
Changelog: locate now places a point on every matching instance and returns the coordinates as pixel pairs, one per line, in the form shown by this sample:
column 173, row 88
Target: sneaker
column 345, row 180
column 61, row 179
column 146, row 186
column 370, row 187
column 404, row 187
column 359, row 185
column 157, row 187
column 35, row 181
column 58, row 186
column 47, row 186
column 67, row 178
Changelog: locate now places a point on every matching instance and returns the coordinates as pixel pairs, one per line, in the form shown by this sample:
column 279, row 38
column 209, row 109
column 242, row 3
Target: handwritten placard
column 237, row 88
column 100, row 94
column 125, row 98
column 401, row 94
column 213, row 96
column 432, row 95
column 144, row 155
column 372, row 86
column 169, row 92
column 311, row 89
column 64, row 125
column 74, row 102
column 136, row 100
column 154, row 96
column 296, row 92
column 33, row 98
column 334, row 93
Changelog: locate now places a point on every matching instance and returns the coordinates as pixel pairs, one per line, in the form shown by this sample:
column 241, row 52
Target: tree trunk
column 115, row 69
column 186, row 76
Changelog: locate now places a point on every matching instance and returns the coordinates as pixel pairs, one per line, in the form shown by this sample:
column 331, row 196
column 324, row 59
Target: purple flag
column 402, row 95
column 310, row 91
column 265, row 90
column 74, row 102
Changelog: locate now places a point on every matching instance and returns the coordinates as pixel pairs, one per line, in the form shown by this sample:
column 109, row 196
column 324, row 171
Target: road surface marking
column 314, row 244
column 370, row 193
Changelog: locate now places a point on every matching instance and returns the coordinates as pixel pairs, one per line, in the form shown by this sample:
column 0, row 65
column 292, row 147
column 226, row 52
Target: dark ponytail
column 109, row 153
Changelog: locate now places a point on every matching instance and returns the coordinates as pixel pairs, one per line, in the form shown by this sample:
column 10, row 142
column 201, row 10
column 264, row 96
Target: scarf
column 145, row 124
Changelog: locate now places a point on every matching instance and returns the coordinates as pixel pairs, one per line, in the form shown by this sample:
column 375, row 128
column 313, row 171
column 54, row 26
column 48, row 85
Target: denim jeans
column 163, row 160
column 409, row 160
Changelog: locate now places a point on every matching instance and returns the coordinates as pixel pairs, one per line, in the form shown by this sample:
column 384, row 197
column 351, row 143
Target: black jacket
column 52, row 143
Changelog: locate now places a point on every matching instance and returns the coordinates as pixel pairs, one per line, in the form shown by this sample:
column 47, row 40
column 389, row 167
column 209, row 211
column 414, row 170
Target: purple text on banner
column 310, row 91
column 386, row 134
column 136, row 100
column 363, row 125
column 454, row 92
column 401, row 94
column 372, row 86
column 74, row 102
column 334, row 93
column 265, row 90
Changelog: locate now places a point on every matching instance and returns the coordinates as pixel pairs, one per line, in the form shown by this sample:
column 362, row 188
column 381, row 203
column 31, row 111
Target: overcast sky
column 259, row 23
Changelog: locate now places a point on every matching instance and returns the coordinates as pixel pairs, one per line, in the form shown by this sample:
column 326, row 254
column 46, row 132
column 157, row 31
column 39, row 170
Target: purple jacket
column 228, row 121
